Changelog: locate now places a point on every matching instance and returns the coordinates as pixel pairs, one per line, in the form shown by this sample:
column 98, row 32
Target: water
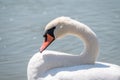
column 22, row 23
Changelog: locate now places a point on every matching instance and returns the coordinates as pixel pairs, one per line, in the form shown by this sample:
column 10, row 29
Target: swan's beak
column 49, row 39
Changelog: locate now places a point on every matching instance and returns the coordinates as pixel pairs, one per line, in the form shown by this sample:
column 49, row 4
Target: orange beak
column 46, row 42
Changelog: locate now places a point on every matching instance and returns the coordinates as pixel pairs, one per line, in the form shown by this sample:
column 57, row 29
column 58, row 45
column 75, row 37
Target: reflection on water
column 22, row 23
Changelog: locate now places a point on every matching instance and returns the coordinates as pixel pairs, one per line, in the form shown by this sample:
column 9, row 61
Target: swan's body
column 51, row 65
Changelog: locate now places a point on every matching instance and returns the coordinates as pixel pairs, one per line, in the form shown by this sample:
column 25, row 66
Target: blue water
column 22, row 23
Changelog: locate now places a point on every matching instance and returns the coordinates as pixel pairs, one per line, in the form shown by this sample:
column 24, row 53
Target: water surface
column 22, row 23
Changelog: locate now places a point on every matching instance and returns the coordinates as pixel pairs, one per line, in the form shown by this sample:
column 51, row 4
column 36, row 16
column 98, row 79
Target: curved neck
column 91, row 46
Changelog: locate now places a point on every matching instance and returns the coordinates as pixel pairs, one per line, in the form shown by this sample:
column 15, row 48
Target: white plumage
column 52, row 65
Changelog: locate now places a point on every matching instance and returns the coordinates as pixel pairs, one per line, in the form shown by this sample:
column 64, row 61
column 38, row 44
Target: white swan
column 51, row 65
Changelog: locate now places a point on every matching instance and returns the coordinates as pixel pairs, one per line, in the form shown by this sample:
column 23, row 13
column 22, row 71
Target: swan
column 53, row 65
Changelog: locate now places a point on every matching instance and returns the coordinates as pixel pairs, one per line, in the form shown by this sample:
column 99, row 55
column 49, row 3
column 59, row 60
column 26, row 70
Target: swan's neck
column 91, row 46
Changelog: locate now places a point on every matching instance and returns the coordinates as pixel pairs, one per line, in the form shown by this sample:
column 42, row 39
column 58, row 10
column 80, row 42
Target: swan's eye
column 50, row 32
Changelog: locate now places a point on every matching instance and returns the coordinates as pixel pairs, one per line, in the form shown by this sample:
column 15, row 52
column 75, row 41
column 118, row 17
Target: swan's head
column 54, row 30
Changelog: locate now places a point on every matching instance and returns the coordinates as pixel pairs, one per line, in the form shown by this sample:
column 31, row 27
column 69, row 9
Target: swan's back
column 98, row 71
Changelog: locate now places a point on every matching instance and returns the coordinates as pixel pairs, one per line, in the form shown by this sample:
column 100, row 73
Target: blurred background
column 22, row 25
